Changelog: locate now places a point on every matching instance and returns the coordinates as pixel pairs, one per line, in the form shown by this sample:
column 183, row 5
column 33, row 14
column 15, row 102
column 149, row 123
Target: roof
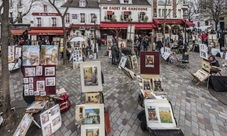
column 134, row 2
column 90, row 4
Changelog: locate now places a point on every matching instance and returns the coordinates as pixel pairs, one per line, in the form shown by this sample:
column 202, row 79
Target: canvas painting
column 49, row 71
column 149, row 61
column 11, row 54
column 26, row 93
column 157, row 84
column 206, row 65
column 54, row 110
column 152, row 116
column 45, row 118
column 17, row 52
column 134, row 61
column 92, row 98
column 122, row 62
column 42, row 93
column 29, row 72
column 30, row 55
column 146, row 85
column 26, row 87
column 39, row 70
column 40, row 86
column 203, row 54
column 47, row 131
column 90, row 76
column 50, row 81
column 49, row 55
column 92, row 132
column 165, row 115
column 56, row 120
column 92, row 116
column 23, row 126
column 25, row 80
column 30, row 80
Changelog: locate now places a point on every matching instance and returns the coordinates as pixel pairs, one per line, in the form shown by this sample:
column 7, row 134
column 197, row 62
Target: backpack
column 64, row 103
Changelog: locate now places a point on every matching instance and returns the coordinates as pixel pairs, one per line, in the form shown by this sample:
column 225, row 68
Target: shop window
column 38, row 21
column 82, row 3
column 20, row 17
column 163, row 12
column 142, row 15
column 54, row 21
column 159, row 12
column 44, row 8
column 179, row 12
column 175, row 30
column 67, row 20
column 109, row 15
column 82, row 18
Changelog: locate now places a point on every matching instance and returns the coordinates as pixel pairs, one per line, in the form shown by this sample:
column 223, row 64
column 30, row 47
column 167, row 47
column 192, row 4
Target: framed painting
column 122, row 62
column 203, row 54
column 24, row 125
column 146, row 85
column 40, row 86
column 39, row 70
column 149, row 63
column 91, row 119
column 29, row 71
column 30, row 55
column 50, row 81
column 134, row 61
column 11, row 53
column 206, row 65
column 49, row 55
column 159, row 114
column 91, row 76
column 93, row 98
column 50, row 71
column 18, row 51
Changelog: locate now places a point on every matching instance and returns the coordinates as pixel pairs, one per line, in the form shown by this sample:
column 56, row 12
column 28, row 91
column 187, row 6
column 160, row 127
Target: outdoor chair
column 184, row 62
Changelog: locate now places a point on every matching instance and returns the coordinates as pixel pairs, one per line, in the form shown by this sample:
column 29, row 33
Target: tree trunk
column 6, row 107
column 216, row 23
column 64, row 41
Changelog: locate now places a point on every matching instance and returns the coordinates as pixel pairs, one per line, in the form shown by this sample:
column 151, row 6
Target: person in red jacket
column 203, row 37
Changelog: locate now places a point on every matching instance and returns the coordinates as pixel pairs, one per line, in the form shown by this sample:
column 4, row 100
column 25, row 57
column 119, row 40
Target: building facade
column 116, row 15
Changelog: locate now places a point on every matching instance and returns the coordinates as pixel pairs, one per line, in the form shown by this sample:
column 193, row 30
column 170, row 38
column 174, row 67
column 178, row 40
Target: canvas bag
column 218, row 83
column 64, row 103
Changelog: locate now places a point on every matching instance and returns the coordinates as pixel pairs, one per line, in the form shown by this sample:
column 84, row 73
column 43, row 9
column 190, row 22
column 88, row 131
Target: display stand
column 14, row 52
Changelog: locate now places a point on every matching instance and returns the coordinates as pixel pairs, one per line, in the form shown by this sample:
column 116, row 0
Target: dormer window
column 82, row 3
column 126, row 1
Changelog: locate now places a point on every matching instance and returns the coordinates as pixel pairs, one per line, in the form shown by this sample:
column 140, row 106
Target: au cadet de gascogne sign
column 125, row 8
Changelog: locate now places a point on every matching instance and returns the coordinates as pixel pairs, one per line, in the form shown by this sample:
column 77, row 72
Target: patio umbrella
column 77, row 39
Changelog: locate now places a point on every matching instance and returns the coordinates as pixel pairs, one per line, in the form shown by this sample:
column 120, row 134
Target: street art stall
column 157, row 116
column 14, row 53
column 39, row 90
column 91, row 116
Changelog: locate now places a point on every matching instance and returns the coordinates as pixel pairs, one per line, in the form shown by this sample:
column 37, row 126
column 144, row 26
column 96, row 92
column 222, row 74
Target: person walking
column 159, row 45
column 145, row 44
column 114, row 52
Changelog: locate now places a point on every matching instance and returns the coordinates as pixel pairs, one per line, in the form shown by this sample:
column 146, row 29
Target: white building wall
column 119, row 9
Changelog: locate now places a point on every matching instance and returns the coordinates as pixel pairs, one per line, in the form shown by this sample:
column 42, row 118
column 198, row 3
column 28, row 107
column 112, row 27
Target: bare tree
column 62, row 15
column 6, row 106
column 214, row 9
column 191, row 11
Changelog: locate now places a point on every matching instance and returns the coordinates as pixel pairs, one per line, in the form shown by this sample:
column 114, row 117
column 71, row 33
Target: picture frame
column 122, row 62
column 50, row 81
column 159, row 114
column 26, row 93
column 203, row 54
column 157, row 84
column 30, row 86
column 11, row 53
column 29, row 71
column 24, row 125
column 146, row 85
column 91, row 76
column 206, row 65
column 30, row 80
column 25, row 80
column 26, row 87
column 49, row 55
column 39, row 70
column 30, row 55
column 149, row 69
column 50, row 71
column 40, row 85
column 93, row 98
column 81, row 112
column 134, row 61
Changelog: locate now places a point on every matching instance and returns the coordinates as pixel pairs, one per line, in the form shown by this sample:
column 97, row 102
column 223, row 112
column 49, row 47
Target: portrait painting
column 165, row 115
column 30, row 80
column 157, row 84
column 30, row 55
column 149, row 61
column 54, row 110
column 92, row 132
column 49, row 55
column 50, row 81
column 39, row 70
column 56, row 120
column 47, row 130
column 92, row 116
column 44, row 118
column 29, row 72
column 146, row 85
column 90, row 76
column 40, row 86
column 49, row 71
column 203, row 54
column 152, row 116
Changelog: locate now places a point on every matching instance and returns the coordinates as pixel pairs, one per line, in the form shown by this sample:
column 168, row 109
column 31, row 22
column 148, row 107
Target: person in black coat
column 213, row 61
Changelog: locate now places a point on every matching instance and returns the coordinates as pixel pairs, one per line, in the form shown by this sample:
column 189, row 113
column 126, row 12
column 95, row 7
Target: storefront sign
column 44, row 14
column 21, row 26
column 126, row 8
column 47, row 34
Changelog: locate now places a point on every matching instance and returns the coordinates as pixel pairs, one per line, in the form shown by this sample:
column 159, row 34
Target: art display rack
column 14, row 52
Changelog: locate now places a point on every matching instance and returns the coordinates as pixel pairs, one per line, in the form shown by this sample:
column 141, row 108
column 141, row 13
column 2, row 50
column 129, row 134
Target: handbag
column 218, row 83
column 64, row 103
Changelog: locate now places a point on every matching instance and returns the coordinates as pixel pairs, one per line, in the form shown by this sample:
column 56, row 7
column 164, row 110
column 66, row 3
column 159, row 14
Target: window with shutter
column 67, row 18
column 38, row 21
column 82, row 18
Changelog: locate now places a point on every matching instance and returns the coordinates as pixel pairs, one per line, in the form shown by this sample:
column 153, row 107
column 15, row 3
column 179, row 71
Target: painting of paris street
column 92, row 116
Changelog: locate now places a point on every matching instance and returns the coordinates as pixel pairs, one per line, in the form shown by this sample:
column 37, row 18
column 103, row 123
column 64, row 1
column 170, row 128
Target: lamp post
column 94, row 20
column 185, row 16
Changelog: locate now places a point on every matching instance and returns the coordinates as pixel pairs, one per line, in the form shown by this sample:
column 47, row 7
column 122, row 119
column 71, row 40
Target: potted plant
column 105, row 17
column 146, row 18
column 122, row 19
column 130, row 12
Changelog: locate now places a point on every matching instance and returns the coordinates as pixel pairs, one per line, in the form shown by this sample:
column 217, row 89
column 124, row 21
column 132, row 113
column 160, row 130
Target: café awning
column 17, row 32
column 125, row 25
column 45, row 32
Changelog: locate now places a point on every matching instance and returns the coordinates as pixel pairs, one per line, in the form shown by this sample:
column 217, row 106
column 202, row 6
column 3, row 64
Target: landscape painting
column 90, row 76
column 165, row 115
column 30, row 55
column 49, row 55
column 92, row 116
column 92, row 132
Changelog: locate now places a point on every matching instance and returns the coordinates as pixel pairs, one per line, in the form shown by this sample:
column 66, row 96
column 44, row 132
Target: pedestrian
column 138, row 47
column 145, row 44
column 99, row 43
column 88, row 50
column 213, row 61
column 113, row 52
column 159, row 45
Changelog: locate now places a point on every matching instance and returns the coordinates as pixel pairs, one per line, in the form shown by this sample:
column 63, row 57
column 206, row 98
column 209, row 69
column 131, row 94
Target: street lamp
column 94, row 20
column 185, row 16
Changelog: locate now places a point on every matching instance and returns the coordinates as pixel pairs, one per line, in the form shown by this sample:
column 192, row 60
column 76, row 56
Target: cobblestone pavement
column 197, row 112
